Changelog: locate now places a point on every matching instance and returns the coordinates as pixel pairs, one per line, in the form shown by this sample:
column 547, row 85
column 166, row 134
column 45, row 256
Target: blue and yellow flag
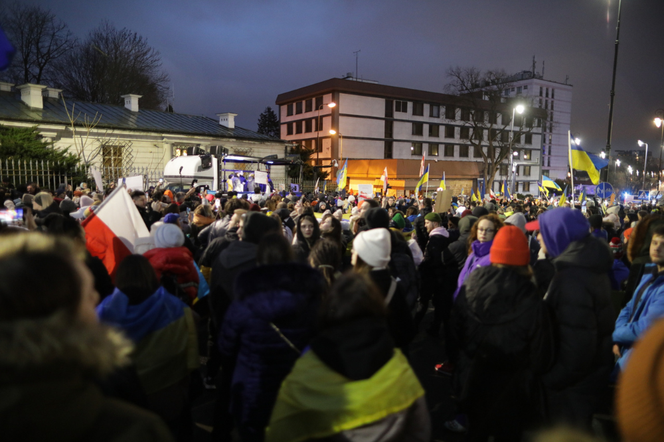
column 543, row 189
column 589, row 163
column 506, row 191
column 442, row 183
column 582, row 199
column 549, row 183
column 342, row 177
column 423, row 180
column 563, row 198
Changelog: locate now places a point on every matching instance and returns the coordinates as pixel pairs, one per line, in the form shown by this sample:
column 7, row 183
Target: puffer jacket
column 478, row 258
column 506, row 339
column 49, row 393
column 176, row 261
column 286, row 296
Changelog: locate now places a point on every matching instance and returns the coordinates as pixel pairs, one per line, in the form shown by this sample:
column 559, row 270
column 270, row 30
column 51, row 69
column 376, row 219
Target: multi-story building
column 556, row 99
column 380, row 126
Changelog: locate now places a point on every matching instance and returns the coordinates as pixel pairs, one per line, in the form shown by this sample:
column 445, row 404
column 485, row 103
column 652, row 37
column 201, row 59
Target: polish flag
column 114, row 229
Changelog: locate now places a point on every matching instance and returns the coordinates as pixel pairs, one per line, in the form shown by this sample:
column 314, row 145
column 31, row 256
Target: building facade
column 123, row 138
column 556, row 100
column 381, row 126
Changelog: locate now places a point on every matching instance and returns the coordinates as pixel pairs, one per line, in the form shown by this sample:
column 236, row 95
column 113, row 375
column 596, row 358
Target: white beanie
column 168, row 235
column 373, row 247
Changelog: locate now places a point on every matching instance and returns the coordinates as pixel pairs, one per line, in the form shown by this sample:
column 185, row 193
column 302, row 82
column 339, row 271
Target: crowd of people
column 299, row 312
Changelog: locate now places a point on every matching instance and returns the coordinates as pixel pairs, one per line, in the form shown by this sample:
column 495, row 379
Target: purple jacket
column 478, row 258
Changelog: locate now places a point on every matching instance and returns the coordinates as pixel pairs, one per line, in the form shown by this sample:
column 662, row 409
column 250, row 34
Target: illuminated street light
column 577, row 141
column 602, row 154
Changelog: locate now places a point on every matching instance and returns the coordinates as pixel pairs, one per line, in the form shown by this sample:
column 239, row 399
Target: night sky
column 237, row 56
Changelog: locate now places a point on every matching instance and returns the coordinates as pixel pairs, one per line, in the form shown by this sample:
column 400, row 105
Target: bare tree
column 113, row 62
column 40, row 40
column 486, row 112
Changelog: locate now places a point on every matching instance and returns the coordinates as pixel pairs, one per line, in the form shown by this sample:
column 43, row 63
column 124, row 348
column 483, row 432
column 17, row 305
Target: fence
column 50, row 175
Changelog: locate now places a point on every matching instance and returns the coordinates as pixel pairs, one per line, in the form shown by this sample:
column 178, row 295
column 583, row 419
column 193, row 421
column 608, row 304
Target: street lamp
column 659, row 119
column 615, row 169
column 519, row 108
column 645, row 163
column 602, row 155
column 629, row 169
column 318, row 126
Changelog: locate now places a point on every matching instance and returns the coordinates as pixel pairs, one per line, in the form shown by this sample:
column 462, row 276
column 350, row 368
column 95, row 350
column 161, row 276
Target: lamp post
column 519, row 108
column 659, row 119
column 645, row 162
column 318, row 127
column 613, row 87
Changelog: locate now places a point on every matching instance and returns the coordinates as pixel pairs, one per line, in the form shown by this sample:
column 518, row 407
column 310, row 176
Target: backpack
column 403, row 268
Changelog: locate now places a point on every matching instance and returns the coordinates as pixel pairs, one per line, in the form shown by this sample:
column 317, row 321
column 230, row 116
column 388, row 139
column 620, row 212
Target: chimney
column 31, row 94
column 131, row 101
column 227, row 119
column 52, row 92
column 6, row 87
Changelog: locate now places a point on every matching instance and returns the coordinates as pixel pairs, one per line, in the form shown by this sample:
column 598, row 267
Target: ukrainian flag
column 583, row 196
column 442, row 183
column 581, row 160
column 548, row 182
column 563, row 198
column 506, row 191
column 342, row 177
column 423, row 180
column 543, row 189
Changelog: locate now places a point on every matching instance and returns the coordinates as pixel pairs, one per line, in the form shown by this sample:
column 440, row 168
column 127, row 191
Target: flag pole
column 426, row 193
column 571, row 166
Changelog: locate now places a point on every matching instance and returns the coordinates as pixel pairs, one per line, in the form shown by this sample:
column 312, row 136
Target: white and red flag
column 422, row 165
column 114, row 229
column 383, row 178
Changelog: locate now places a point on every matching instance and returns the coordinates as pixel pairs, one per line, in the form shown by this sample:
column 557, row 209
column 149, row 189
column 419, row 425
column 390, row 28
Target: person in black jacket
column 505, row 337
column 371, row 256
column 580, row 297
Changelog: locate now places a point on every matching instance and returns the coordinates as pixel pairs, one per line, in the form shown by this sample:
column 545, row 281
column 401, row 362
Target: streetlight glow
column 658, row 122
column 602, row 154
column 520, row 108
column 331, row 104
column 577, row 141
column 640, row 143
column 333, row 132
column 618, row 163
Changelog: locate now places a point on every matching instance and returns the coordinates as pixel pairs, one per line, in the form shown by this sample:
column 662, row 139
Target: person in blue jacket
column 646, row 306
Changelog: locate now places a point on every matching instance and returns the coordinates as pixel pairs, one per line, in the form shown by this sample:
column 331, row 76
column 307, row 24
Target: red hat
column 510, row 247
column 532, row 226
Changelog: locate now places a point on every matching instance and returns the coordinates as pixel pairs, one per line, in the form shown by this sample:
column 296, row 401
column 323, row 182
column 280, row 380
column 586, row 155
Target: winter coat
column 286, row 296
column 48, row 393
column 163, row 331
column 236, row 258
column 177, row 262
column 437, row 276
column 399, row 320
column 351, row 385
column 505, row 336
column 478, row 258
column 301, row 250
column 580, row 297
column 635, row 320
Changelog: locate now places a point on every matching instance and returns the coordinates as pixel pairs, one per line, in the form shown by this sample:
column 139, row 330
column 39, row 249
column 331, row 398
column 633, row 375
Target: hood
column 518, row 220
column 562, row 226
column 589, row 253
column 237, row 253
column 276, row 291
column 357, row 349
column 32, row 345
column 496, row 295
column 481, row 249
column 442, row 231
column 466, row 223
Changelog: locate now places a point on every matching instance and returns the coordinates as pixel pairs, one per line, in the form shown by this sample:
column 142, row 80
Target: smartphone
column 12, row 217
column 583, row 209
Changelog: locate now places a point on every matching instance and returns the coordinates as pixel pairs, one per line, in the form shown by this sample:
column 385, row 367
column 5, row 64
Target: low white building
column 122, row 138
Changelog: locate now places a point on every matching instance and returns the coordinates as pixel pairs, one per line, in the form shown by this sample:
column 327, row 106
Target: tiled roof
column 118, row 117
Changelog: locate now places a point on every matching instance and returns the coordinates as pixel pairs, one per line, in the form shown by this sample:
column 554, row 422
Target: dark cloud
column 238, row 56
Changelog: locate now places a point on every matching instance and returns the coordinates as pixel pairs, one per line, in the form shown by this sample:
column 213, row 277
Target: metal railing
column 50, row 175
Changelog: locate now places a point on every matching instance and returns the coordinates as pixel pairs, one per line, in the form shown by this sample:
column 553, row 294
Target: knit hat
column 377, row 218
column 168, row 235
column 466, row 213
column 373, row 247
column 434, row 217
column 510, row 247
column 256, row 225
column 44, row 199
column 616, row 247
column 640, row 392
column 171, row 218
column 399, row 221
column 254, row 207
column 480, row 211
column 518, row 219
column 68, row 206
